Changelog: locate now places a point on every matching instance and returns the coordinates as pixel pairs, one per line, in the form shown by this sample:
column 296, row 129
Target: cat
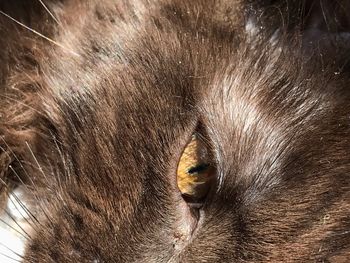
column 175, row 131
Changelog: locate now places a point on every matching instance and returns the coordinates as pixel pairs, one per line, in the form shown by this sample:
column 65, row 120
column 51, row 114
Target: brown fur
column 96, row 129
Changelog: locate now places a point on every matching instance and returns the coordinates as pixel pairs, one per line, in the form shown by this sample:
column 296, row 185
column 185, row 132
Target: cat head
column 96, row 127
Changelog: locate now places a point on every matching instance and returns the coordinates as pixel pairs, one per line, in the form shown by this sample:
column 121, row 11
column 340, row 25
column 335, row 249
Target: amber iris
column 195, row 171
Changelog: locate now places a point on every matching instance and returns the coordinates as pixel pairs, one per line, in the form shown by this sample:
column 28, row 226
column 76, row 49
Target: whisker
column 17, row 159
column 59, row 186
column 27, row 188
column 15, row 172
column 38, row 33
column 12, row 251
column 66, row 168
column 7, row 256
column 24, row 208
column 36, row 160
column 18, row 199
column 39, row 203
column 14, row 220
column 14, row 229
column 49, row 12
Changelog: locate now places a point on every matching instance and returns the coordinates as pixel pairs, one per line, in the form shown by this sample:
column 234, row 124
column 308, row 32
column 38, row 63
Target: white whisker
column 49, row 12
column 36, row 160
column 38, row 33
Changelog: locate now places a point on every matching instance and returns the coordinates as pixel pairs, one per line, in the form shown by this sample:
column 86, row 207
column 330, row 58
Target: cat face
column 109, row 116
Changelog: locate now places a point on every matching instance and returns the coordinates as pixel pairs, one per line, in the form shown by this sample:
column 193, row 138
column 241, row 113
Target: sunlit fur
column 93, row 123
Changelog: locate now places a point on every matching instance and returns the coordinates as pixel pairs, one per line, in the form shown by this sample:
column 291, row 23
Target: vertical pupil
column 195, row 172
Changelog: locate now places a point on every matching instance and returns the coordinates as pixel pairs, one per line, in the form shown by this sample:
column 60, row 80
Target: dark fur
column 96, row 128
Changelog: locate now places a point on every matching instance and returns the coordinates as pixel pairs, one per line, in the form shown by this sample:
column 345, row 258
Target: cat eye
column 195, row 171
